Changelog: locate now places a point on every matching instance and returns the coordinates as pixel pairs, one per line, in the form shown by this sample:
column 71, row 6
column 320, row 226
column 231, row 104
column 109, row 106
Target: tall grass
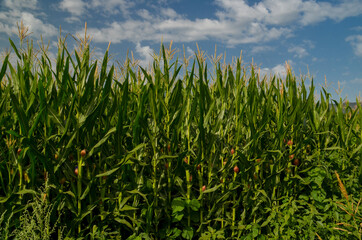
column 225, row 153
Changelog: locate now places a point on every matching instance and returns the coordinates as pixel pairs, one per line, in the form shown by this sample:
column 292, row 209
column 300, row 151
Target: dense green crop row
column 172, row 153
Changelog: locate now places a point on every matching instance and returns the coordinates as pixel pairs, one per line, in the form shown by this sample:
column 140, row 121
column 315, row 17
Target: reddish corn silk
column 83, row 153
column 62, row 181
column 296, row 162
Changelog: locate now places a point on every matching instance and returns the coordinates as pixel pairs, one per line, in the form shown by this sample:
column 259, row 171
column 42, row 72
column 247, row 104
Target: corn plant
column 178, row 150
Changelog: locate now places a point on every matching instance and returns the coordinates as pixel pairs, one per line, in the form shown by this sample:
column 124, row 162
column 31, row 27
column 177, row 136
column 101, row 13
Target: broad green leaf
column 177, row 205
column 26, row 191
column 188, row 233
column 194, row 204
column 110, row 172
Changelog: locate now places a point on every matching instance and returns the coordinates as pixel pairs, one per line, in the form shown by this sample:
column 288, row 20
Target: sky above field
column 322, row 39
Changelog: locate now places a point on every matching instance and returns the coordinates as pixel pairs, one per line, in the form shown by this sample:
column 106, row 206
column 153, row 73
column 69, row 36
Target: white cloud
column 169, row 25
column 72, row 19
column 281, row 12
column 356, row 43
column 240, row 11
column 259, row 49
column 190, row 52
column 358, row 28
column 37, row 26
column 19, row 10
column 169, row 13
column 298, row 51
column 112, row 6
column 145, row 52
column 78, row 7
column 308, row 43
column 356, row 80
column 317, row 12
column 10, row 19
column 8, row 29
column 236, row 21
column 185, row 30
column 145, row 14
column 13, row 59
column 75, row 7
column 19, row 4
column 279, row 70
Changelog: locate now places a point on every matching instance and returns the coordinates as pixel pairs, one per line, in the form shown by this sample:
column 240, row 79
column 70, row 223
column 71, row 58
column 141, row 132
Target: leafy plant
column 178, row 150
column 353, row 226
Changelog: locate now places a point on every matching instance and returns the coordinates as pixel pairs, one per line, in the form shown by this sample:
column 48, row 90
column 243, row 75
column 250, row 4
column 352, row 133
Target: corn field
column 174, row 151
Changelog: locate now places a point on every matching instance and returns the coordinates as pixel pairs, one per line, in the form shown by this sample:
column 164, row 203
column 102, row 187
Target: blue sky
column 322, row 38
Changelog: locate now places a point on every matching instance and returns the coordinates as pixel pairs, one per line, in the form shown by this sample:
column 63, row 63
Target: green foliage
column 35, row 222
column 220, row 154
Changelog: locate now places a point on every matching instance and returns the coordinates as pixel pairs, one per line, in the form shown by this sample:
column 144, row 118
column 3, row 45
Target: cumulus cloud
column 112, row 6
column 313, row 12
column 298, row 51
column 259, row 49
column 78, row 7
column 185, row 30
column 10, row 19
column 169, row 13
column 21, row 4
column 267, row 11
column 75, row 7
column 190, row 52
column 17, row 11
column 356, row 80
column 279, row 70
column 356, row 43
column 145, row 52
column 235, row 22
column 145, row 14
column 358, row 28
column 281, row 12
column 37, row 26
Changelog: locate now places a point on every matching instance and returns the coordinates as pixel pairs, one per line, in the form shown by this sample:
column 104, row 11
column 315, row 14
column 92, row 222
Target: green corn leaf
column 86, row 191
column 213, row 189
column 26, row 191
column 102, row 141
column 36, row 122
column 69, row 119
column 86, row 212
column 110, row 172
column 70, row 194
column 127, row 208
column 15, row 49
column 124, row 222
column 3, row 68
column 23, row 120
